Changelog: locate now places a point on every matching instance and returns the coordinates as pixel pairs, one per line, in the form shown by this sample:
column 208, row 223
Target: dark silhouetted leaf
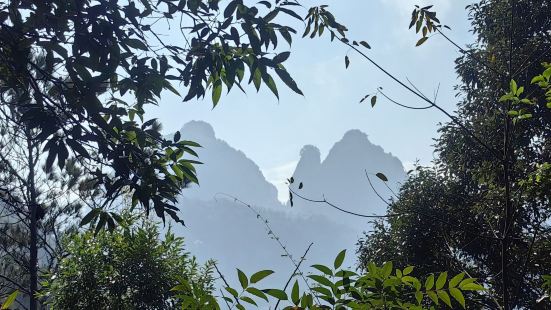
column 421, row 41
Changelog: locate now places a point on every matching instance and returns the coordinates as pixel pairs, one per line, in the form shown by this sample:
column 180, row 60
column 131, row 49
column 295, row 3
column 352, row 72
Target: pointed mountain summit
column 220, row 228
column 341, row 177
column 226, row 170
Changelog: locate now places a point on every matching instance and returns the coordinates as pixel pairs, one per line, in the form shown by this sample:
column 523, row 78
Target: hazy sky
column 272, row 132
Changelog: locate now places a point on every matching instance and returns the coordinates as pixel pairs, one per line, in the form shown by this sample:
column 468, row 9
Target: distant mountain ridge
column 341, row 176
column 226, row 170
column 223, row 229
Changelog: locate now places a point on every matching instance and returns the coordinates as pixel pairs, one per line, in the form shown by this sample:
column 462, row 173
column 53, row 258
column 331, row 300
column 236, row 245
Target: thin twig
column 421, row 96
column 276, row 238
column 224, row 279
column 294, row 273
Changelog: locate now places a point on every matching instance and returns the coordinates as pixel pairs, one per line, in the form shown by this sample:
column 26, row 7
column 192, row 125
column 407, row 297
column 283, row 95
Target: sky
column 272, row 132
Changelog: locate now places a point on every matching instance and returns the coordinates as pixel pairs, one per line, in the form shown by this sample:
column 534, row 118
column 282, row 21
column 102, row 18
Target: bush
column 129, row 268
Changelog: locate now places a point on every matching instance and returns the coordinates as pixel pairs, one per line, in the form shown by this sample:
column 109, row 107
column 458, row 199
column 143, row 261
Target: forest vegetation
column 89, row 184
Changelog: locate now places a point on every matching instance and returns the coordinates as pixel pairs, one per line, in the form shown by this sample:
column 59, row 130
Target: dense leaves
column 9, row 300
column 106, row 60
column 130, row 268
column 380, row 287
column 485, row 202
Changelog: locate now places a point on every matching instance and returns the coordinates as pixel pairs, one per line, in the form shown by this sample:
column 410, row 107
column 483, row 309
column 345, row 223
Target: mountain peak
column 226, row 169
column 310, row 153
column 199, row 129
column 341, row 176
column 355, row 134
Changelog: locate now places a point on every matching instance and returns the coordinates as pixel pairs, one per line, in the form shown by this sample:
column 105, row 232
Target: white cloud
column 278, row 176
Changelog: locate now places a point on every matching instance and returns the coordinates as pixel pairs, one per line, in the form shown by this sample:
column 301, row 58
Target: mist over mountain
column 341, row 178
column 226, row 170
column 220, row 228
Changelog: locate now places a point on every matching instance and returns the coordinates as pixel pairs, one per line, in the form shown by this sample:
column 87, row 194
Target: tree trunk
column 33, row 258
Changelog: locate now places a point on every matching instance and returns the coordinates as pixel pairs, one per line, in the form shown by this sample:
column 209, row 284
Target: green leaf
column 306, row 301
column 382, row 177
column 455, row 280
column 472, row 287
column 407, row 270
column 232, row 291
column 445, row 298
column 290, row 12
column 269, row 81
column 326, row 270
column 102, row 220
column 288, row 80
column 525, row 116
column 520, row 90
column 242, row 279
column 526, row 101
column 90, row 216
column 432, row 295
column 9, row 301
column 216, row 91
column 257, row 78
column 457, row 295
column 441, row 280
column 295, row 293
column 547, row 73
column 506, row 97
column 279, row 58
column 167, row 85
column 513, row 86
column 466, row 281
column 260, row 275
column 279, row 294
column 322, row 290
column 248, row 300
column 421, row 41
column 178, row 171
column 339, row 259
column 256, row 292
column 418, row 297
column 536, row 79
column 286, row 35
column 429, row 283
column 387, row 269
column 321, row 280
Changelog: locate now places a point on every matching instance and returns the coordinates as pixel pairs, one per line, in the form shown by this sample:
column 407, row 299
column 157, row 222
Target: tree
column 129, row 268
column 104, row 61
column 57, row 198
column 59, row 208
column 96, row 52
column 488, row 187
